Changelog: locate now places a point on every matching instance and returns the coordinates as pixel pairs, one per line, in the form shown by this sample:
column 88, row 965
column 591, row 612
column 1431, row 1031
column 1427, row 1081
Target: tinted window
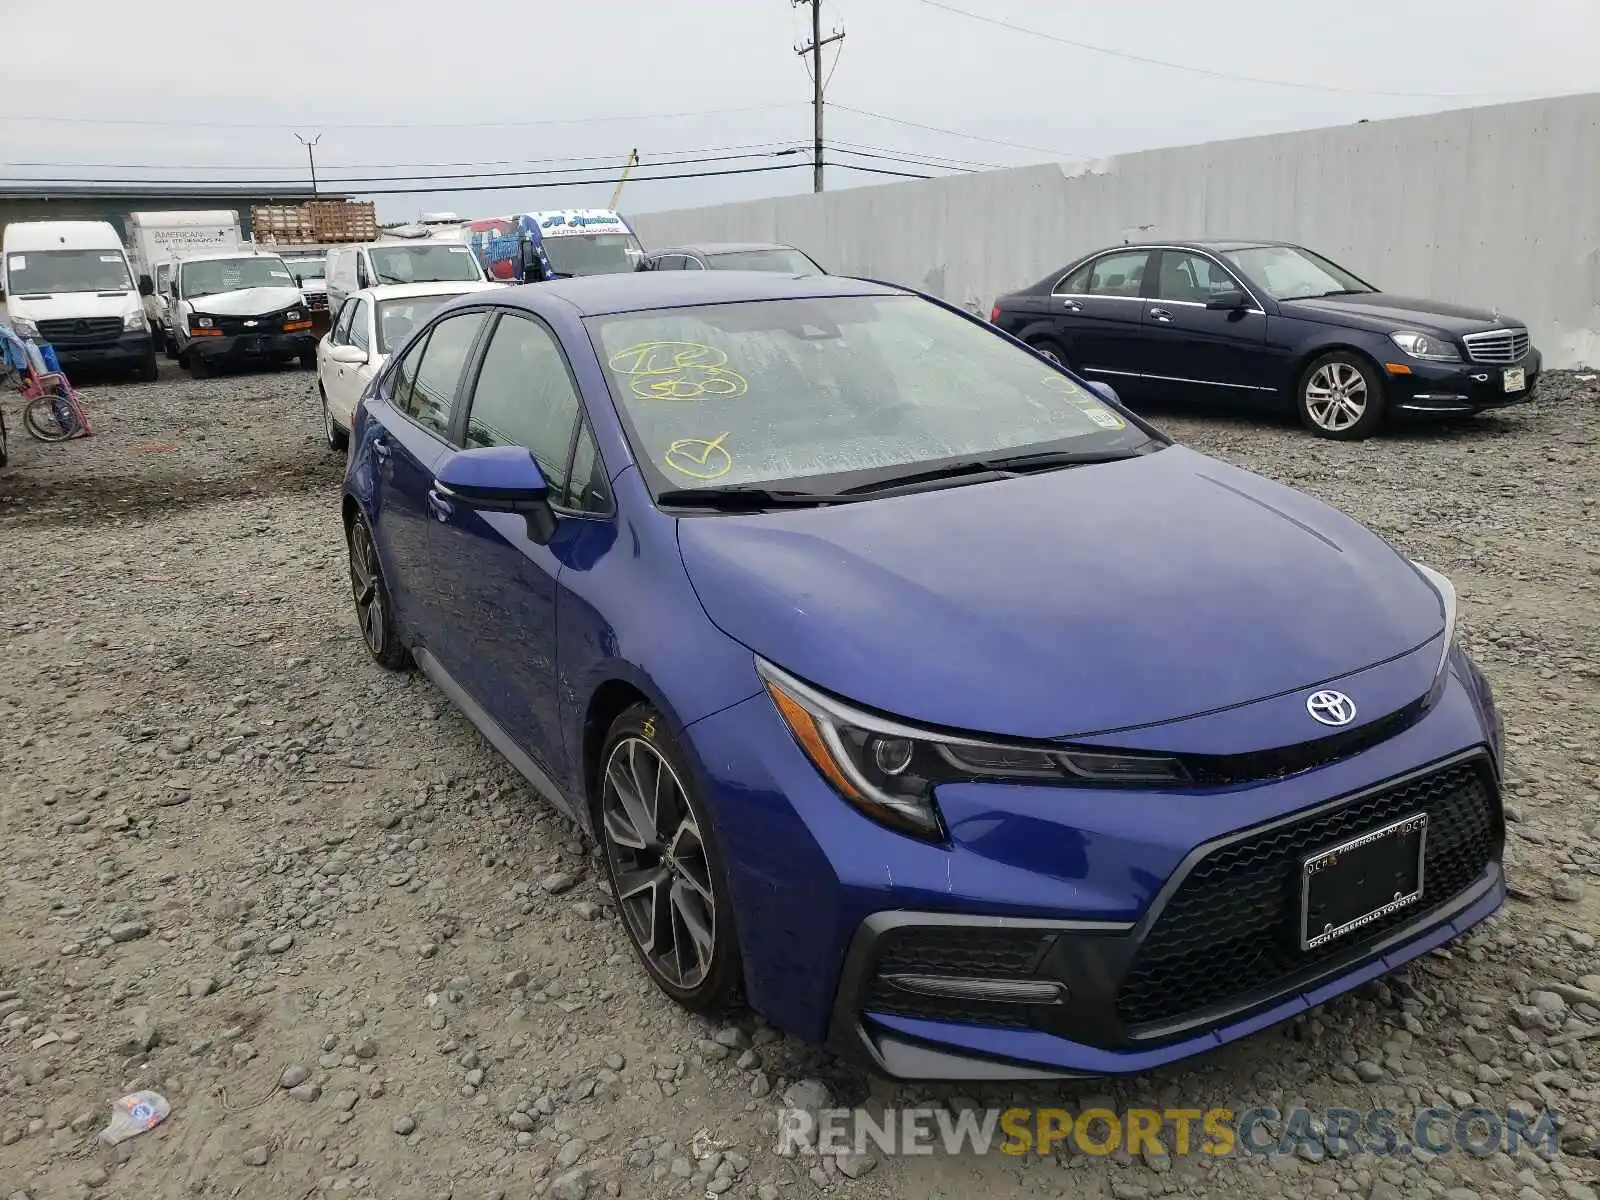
column 433, row 398
column 1076, row 284
column 691, row 263
column 588, row 491
column 1118, row 274
column 669, row 262
column 1191, row 277
column 341, row 327
column 404, row 379
column 524, row 397
column 786, row 261
column 360, row 324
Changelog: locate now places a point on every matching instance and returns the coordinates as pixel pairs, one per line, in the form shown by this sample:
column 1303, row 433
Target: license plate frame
column 1515, row 379
column 1370, row 848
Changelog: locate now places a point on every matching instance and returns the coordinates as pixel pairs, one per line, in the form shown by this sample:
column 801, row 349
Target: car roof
column 442, row 287
column 723, row 247
column 1216, row 246
column 242, row 252
column 623, row 292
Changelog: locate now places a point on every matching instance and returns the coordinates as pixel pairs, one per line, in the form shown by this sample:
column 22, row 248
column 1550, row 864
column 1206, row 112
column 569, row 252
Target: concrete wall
column 1485, row 206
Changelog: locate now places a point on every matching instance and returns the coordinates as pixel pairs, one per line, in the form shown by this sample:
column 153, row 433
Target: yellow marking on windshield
column 1081, row 400
column 677, row 371
column 699, row 458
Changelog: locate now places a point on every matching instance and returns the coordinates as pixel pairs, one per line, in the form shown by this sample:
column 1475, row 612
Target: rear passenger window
column 1076, row 284
column 1118, row 274
column 525, row 397
column 432, row 398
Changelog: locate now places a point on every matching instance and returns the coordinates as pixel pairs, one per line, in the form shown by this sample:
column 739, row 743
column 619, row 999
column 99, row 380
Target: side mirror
column 1226, row 300
column 147, row 286
column 502, row 479
column 353, row 356
column 1104, row 390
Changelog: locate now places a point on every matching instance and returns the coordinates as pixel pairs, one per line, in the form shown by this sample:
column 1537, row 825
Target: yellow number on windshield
column 677, row 371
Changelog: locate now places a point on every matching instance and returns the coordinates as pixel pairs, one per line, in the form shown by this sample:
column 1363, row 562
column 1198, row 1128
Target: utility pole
column 311, row 157
column 814, row 49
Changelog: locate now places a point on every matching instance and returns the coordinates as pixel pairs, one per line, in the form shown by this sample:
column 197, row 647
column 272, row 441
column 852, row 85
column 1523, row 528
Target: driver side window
column 359, row 324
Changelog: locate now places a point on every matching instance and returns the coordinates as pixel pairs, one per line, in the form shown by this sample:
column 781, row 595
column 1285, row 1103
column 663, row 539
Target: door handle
column 1161, row 314
column 439, row 506
column 1072, row 306
column 380, row 448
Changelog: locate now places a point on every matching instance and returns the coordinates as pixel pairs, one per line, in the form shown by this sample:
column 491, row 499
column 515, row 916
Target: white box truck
column 155, row 239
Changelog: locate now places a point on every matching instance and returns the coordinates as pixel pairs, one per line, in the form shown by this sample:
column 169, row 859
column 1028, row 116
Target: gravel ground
column 302, row 899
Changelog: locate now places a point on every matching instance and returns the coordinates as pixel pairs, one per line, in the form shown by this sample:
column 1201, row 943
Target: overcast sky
column 499, row 85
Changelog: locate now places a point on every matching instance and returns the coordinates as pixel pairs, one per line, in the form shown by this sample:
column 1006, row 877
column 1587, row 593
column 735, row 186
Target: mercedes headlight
column 24, row 328
column 135, row 320
column 1427, row 346
column 1447, row 599
column 889, row 770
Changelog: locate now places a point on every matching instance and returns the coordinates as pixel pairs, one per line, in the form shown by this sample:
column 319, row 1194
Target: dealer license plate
column 1358, row 882
column 1516, row 379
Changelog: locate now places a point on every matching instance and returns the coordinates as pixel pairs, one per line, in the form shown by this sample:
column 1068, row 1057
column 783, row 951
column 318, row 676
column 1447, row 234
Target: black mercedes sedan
column 732, row 256
column 1269, row 324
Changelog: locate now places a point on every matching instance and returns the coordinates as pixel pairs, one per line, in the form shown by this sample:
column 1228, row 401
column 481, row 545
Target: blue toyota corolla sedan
column 914, row 689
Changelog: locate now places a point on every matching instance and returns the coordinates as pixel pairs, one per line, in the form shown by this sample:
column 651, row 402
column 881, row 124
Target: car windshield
column 433, row 263
column 754, row 393
column 308, row 268
column 41, row 272
column 213, row 276
column 397, row 318
column 1290, row 273
column 593, row 254
column 785, row 261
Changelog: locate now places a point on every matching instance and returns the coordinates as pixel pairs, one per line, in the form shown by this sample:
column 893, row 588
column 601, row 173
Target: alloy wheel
column 1336, row 396
column 659, row 863
column 365, row 586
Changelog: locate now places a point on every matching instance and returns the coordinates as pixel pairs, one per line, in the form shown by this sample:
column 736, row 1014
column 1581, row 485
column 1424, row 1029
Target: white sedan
column 370, row 324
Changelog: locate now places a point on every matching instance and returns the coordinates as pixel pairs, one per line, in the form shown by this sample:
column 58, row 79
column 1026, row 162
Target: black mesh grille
column 85, row 331
column 971, row 953
column 1231, row 928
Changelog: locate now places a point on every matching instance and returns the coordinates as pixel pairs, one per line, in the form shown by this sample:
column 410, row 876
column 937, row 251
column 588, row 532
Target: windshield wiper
column 745, row 499
column 1001, row 466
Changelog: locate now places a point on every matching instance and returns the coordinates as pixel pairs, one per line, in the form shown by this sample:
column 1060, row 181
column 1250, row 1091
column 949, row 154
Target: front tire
column 1341, row 397
column 168, row 346
column 198, row 367
column 373, row 609
column 148, row 370
column 308, row 359
column 664, row 867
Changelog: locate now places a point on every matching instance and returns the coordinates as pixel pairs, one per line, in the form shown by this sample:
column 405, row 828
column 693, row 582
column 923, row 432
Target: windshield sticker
column 116, row 258
column 699, row 458
column 19, row 262
column 1085, row 403
column 677, row 371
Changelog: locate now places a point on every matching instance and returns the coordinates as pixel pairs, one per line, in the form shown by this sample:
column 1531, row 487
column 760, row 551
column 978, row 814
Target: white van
column 443, row 259
column 69, row 283
column 239, row 307
column 156, row 238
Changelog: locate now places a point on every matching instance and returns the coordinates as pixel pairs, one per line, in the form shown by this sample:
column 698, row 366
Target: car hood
column 247, row 302
column 1388, row 314
column 57, row 306
column 1067, row 603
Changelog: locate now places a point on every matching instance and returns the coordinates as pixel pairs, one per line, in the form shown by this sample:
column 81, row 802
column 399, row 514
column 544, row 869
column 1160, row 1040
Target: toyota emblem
column 1331, row 708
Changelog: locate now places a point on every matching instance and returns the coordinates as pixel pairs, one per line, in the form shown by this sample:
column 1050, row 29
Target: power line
column 494, row 187
column 862, row 112
column 1193, row 70
column 192, row 123
column 356, row 182
column 776, row 143
column 840, row 148
column 880, row 171
column 934, row 159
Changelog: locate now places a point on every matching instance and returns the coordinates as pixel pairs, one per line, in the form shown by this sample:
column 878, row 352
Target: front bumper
column 1115, row 896
column 132, row 346
column 1443, row 389
column 237, row 347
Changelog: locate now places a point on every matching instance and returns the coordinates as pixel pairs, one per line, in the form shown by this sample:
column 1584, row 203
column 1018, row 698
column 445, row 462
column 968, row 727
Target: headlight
column 292, row 315
column 1426, row 345
column 134, row 320
column 202, row 322
column 1447, row 597
column 888, row 770
column 24, row 328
